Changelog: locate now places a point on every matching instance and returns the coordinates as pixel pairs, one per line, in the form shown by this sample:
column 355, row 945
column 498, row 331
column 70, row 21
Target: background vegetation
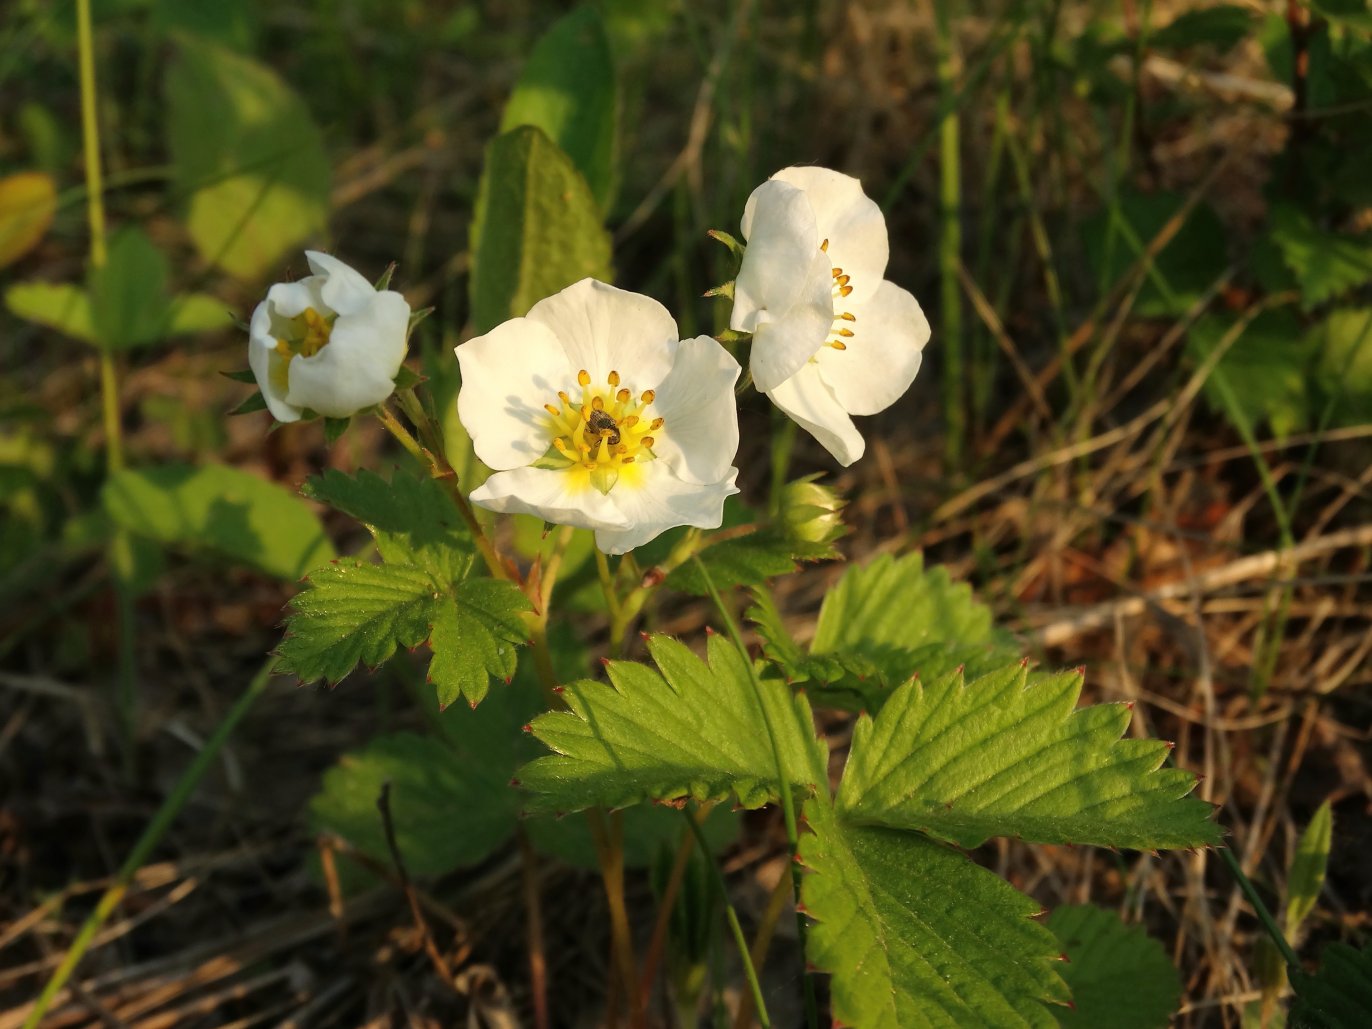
column 1141, row 231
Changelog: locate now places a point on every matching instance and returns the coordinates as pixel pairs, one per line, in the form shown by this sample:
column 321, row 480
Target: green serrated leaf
column 259, row 182
column 1339, row 995
column 1118, row 974
column 411, row 518
column 689, row 729
column 1325, row 263
column 747, row 561
column 1306, row 878
column 891, row 612
column 475, row 637
column 537, row 228
column 1007, row 755
column 219, row 510
column 914, row 934
column 569, row 90
column 352, row 611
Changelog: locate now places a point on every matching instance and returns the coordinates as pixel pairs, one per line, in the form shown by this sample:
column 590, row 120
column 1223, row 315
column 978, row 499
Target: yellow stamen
column 648, row 441
column 836, row 272
column 554, row 411
column 847, row 333
column 613, row 378
column 623, row 396
column 838, row 344
column 657, row 423
column 583, row 377
column 848, row 316
column 845, row 290
column 824, row 246
column 647, row 396
column 597, row 403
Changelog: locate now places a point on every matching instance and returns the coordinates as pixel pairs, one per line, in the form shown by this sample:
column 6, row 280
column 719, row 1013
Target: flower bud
column 330, row 343
column 810, row 513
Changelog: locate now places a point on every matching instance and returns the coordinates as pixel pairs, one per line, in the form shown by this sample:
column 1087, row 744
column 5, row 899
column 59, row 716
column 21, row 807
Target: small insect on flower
column 605, row 426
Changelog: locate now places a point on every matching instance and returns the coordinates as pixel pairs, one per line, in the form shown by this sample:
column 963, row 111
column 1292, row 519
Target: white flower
column 831, row 338
column 330, row 342
column 594, row 413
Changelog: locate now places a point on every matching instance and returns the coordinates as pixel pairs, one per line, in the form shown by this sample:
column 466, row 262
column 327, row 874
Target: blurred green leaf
column 536, row 230
column 50, row 140
column 568, row 89
column 232, row 23
column 1325, row 264
column 60, row 306
column 28, row 201
column 1342, row 344
column 1263, row 376
column 1119, row 975
column 247, row 154
column 1181, row 272
column 1339, row 995
column 1222, row 27
column 220, row 510
column 1306, row 879
column 1351, row 13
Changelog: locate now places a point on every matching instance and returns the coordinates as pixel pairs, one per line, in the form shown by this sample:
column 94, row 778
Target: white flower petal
column 883, row 354
column 507, row 376
column 344, row 290
column 661, row 503
column 696, row 400
column 286, row 300
column 357, row 367
column 851, row 222
column 807, row 400
column 266, row 364
column 605, row 329
column 778, row 268
column 544, row 492
column 785, row 339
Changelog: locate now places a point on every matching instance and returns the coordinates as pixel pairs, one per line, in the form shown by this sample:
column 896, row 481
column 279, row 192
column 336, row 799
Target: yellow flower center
column 841, row 330
column 306, row 335
column 603, row 437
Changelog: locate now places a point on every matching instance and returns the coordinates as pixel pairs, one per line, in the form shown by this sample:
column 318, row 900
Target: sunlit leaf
column 914, row 934
column 568, row 89
column 60, row 306
column 1009, row 755
column 220, row 510
column 689, row 729
column 476, row 634
column 1306, row 879
column 28, row 201
column 748, row 560
column 246, row 152
column 1263, row 376
column 1326, row 264
column 537, row 228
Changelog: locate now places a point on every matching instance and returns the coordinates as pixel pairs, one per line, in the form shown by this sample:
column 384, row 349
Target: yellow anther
column 627, row 460
column 847, row 333
column 613, row 379
column 623, row 395
column 647, row 396
column 583, row 377
column 585, row 412
column 836, row 272
column 824, row 246
column 843, row 279
column 838, row 344
column 597, row 404
column 562, row 395
column 845, row 290
column 560, row 443
column 848, row 316
column 284, row 349
column 629, row 422
column 554, row 411
column 648, row 441
column 657, row 423
column 623, row 448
